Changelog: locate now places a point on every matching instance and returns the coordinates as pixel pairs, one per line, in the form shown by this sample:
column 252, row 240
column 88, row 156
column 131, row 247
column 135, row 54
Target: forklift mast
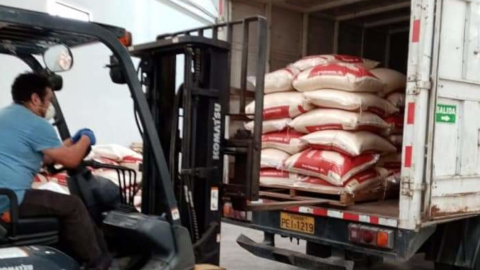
column 193, row 123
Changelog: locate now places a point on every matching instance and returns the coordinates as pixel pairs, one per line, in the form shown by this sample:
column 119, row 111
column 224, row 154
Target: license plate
column 297, row 223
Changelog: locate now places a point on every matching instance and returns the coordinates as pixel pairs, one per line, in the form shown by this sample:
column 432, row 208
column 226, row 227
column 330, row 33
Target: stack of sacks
column 344, row 133
column 107, row 154
column 394, row 92
column 281, row 104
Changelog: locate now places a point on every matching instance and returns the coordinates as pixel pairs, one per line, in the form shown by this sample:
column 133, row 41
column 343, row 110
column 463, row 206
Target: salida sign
column 446, row 114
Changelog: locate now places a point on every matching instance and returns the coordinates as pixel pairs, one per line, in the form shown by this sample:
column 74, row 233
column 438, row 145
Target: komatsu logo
column 18, row 267
column 217, row 125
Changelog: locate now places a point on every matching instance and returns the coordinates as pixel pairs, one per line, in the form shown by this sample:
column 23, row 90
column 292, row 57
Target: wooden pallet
column 331, row 198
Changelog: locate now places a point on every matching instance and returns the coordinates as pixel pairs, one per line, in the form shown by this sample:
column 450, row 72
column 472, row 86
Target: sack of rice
column 271, row 177
column 347, row 77
column 273, row 158
column 397, row 99
column 350, row 101
column 394, row 80
column 332, row 119
column 359, row 182
column 281, row 105
column 270, row 125
column 333, row 167
column 288, row 141
column 392, row 161
column 395, row 124
column 350, row 143
column 316, row 60
column 396, row 140
column 279, row 80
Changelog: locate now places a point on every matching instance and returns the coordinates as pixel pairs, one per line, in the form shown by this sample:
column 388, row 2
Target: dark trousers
column 77, row 229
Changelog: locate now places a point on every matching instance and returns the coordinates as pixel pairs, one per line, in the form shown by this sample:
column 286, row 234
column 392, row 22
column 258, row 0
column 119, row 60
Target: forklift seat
column 26, row 231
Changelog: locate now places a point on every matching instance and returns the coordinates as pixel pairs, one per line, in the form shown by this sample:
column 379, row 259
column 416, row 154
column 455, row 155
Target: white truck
column 437, row 44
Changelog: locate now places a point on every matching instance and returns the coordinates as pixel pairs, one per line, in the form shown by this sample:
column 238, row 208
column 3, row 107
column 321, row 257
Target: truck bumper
column 294, row 258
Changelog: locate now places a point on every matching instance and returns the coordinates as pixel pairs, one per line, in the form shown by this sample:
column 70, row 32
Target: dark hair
column 27, row 84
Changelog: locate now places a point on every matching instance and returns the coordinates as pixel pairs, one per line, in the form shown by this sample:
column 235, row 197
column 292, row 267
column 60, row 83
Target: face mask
column 50, row 113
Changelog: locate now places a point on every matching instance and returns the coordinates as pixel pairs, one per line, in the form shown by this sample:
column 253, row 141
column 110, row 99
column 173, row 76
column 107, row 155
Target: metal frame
column 95, row 32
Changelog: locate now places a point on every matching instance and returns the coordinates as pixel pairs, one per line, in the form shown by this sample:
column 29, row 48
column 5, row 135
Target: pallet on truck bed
column 323, row 197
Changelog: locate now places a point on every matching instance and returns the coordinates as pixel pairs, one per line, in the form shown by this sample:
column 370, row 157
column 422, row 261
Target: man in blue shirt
column 28, row 140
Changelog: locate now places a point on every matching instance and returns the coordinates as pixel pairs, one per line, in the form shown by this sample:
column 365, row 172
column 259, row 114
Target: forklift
column 184, row 135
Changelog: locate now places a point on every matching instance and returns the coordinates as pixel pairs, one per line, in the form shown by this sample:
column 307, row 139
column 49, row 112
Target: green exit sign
column 446, row 114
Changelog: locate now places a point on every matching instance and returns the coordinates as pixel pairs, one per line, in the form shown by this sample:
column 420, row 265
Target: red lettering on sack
column 276, row 112
column 313, row 161
column 340, row 70
column 274, row 173
column 348, row 59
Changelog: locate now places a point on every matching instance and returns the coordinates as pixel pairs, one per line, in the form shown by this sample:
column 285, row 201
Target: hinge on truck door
column 419, row 85
column 408, row 187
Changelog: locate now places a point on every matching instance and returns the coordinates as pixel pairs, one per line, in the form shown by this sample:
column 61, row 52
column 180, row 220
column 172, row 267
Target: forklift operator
column 26, row 140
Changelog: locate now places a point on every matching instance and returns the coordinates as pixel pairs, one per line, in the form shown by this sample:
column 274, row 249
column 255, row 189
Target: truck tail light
column 371, row 236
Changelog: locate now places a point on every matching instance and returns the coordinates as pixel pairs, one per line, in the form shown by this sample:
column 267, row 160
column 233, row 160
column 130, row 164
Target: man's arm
column 69, row 156
column 47, row 160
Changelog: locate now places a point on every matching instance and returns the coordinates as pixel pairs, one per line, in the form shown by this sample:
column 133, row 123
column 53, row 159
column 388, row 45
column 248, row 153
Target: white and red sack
column 350, row 143
column 279, row 80
column 332, row 119
column 273, row 158
column 316, row 60
column 333, row 167
column 288, row 141
column 397, row 99
column 281, row 105
column 114, row 152
column 396, row 140
column 273, row 177
column 392, row 161
column 395, row 124
column 347, row 77
column 359, row 182
column 350, row 101
column 270, row 125
column 394, row 80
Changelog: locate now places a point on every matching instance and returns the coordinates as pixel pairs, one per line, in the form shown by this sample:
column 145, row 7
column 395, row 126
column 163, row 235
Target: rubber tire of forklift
column 362, row 260
column 318, row 250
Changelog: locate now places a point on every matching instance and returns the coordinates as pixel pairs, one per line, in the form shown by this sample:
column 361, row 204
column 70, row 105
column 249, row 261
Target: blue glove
column 85, row 132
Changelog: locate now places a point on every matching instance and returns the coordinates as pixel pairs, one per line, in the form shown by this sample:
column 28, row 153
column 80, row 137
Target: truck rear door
column 455, row 188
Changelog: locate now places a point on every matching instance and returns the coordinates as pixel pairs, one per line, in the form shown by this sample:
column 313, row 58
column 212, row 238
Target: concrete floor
column 236, row 258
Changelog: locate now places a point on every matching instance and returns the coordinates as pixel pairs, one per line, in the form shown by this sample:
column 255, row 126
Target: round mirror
column 58, row 58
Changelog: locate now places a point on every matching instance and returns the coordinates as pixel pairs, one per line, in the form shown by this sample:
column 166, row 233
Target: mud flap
column 292, row 257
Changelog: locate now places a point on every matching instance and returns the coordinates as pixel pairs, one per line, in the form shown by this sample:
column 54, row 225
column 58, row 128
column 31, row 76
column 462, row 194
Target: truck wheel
column 318, row 250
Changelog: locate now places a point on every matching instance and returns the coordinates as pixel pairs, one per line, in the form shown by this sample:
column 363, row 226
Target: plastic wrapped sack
column 288, row 141
column 333, row 167
column 394, row 80
column 349, row 143
column 359, row 182
column 270, row 125
column 273, row 158
column 345, row 77
column 271, row 177
column 397, row 99
column 279, row 80
column 281, row 105
column 332, row 119
column 315, row 60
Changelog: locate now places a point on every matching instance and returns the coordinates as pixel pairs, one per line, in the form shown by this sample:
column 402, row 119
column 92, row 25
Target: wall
column 89, row 98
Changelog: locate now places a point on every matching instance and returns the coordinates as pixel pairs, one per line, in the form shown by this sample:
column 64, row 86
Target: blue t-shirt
column 23, row 137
